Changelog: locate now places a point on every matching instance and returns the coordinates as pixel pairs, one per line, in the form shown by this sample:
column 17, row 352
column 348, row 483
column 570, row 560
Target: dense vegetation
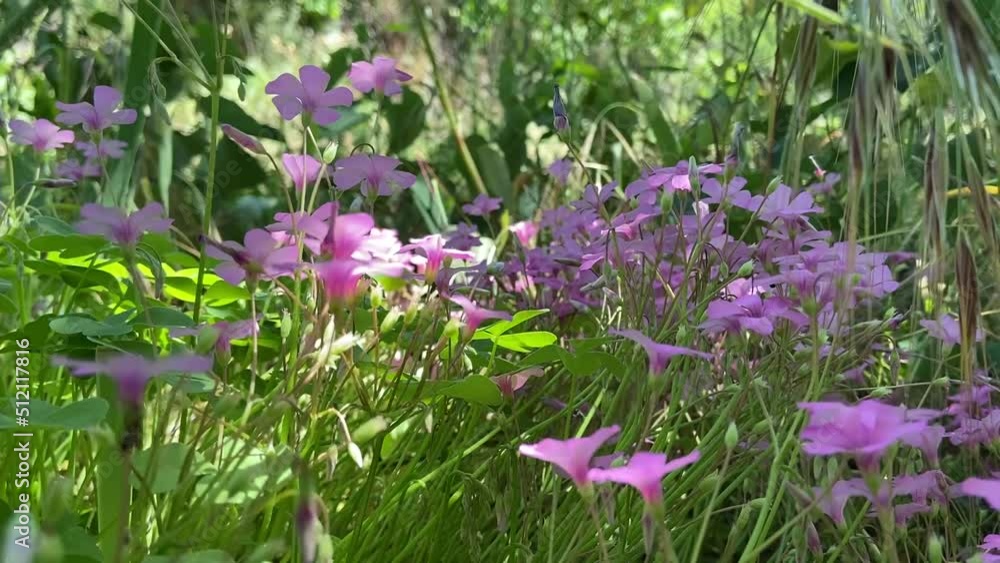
column 499, row 281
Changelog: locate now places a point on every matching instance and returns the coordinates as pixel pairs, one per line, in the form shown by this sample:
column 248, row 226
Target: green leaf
column 526, row 341
column 107, row 21
column 192, row 383
column 160, row 467
column 475, row 389
column 493, row 168
column 406, row 120
column 670, row 150
column 163, row 317
column 72, row 416
column 207, row 556
column 230, row 112
column 587, row 363
column 430, row 211
column 88, row 326
column 54, row 226
column 223, row 293
column 500, row 327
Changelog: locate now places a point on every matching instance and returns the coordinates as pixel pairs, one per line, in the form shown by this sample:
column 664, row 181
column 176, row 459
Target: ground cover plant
column 239, row 323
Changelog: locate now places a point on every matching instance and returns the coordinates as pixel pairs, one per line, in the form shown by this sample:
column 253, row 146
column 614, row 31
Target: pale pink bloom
column 946, row 329
column 100, row 115
column 987, row 489
column 525, row 232
column 42, row 135
column 308, row 95
column 381, row 75
column 302, row 168
column 510, row 383
column 573, row 455
column 132, row 372
column 644, row 471
column 659, row 354
column 118, row 228
column 474, row 314
column 242, row 139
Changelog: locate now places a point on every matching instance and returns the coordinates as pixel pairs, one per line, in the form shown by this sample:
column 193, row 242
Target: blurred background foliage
column 646, row 83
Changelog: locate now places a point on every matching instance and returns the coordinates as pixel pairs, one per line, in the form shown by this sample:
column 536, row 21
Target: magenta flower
column 525, row 232
column 381, row 74
column 308, row 95
column 42, row 135
column 340, row 279
column 781, row 205
column 346, row 234
column 644, row 471
column 510, row 383
column 482, row 206
column 433, row 255
column 374, row 173
column 987, row 489
column 249, row 143
column 946, row 329
column 260, row 256
column 71, row 169
column 302, row 168
column 105, row 148
column 100, row 115
column 132, row 372
column 927, row 440
column 226, row 332
column 659, row 354
column 474, row 314
column 560, row 169
column 573, row 455
column 864, row 430
column 748, row 312
column 119, row 229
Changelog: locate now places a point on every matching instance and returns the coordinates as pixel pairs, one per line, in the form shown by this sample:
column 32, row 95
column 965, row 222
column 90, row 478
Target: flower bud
column 812, row 539
column 732, row 436
column 934, row 550
column 745, row 269
column 390, row 320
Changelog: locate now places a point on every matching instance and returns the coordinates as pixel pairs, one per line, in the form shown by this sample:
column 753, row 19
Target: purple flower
column 375, row 172
column 433, row 254
column 259, row 256
column 987, row 489
column 464, row 237
column 100, row 115
column 781, row 205
column 927, row 440
column 946, row 329
column 560, row 169
column 474, row 314
column 105, row 148
column 132, row 372
column 381, row 74
column 510, row 383
column 308, row 95
column 594, row 197
column 644, row 471
column 42, row 135
column 733, row 193
column 573, row 455
column 832, row 503
column 226, row 332
column 340, row 279
column 119, row 229
column 864, row 430
column 748, row 312
column 481, row 206
column 659, row 354
column 346, row 234
column 302, row 168
column 242, row 139
column 72, row 169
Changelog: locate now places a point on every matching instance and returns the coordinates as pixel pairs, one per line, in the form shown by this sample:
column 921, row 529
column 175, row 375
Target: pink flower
column 119, row 229
column 132, row 372
column 474, row 314
column 644, row 471
column 242, row 139
column 381, row 74
column 573, row 455
column 525, row 232
column 302, row 168
column 946, row 329
column 510, row 383
column 864, row 430
column 259, row 256
column 346, row 234
column 987, row 489
column 560, row 169
column 481, row 206
column 927, row 440
column 781, row 205
column 432, row 255
column 340, row 279
column 226, row 332
column 100, row 115
column 71, row 169
column 308, row 95
column 659, row 354
column 374, row 173
column 832, row 503
column 106, row 148
column 732, row 193
column 42, row 135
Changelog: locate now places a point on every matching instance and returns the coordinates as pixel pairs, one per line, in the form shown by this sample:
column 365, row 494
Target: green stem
column 213, row 150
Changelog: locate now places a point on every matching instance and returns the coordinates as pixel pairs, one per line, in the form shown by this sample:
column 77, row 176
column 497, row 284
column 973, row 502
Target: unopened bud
column 880, row 392
column 390, row 320
column 732, row 436
column 745, row 269
column 934, row 549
